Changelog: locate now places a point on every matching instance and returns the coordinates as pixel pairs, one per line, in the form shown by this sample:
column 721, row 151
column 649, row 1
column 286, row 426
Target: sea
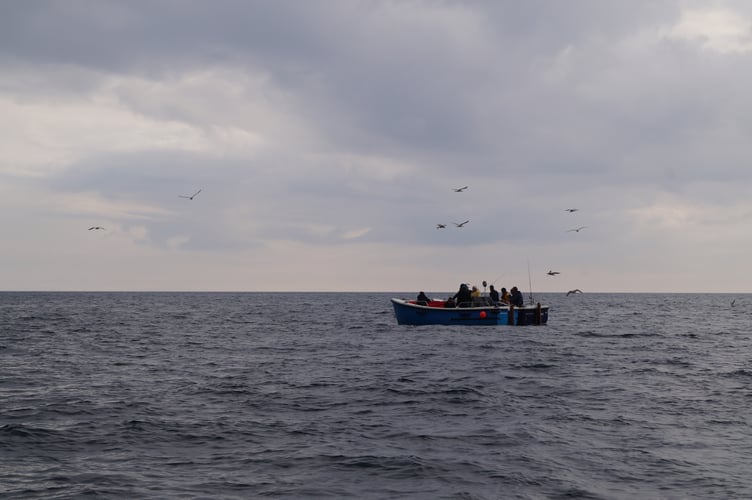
column 324, row 395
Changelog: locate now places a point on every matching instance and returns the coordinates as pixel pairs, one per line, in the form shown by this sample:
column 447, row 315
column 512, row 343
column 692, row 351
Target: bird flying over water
column 576, row 290
column 577, row 229
column 733, row 302
column 461, row 224
column 96, row 228
column 459, row 190
column 189, row 197
column 440, row 226
column 553, row 273
column 570, row 210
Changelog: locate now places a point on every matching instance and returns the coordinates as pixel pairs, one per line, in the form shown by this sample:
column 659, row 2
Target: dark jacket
column 516, row 298
column 463, row 297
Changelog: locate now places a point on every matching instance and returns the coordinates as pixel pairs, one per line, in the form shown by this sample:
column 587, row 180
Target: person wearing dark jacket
column 463, row 298
column 515, row 297
column 423, row 299
column 494, row 294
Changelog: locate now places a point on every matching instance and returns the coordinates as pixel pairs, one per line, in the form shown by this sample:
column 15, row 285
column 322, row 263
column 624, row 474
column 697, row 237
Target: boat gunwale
column 500, row 307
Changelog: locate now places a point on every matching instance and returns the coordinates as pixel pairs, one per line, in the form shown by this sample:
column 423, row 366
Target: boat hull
column 410, row 313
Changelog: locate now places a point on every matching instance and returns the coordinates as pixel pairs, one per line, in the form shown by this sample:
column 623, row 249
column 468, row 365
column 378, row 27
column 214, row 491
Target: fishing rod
column 530, row 281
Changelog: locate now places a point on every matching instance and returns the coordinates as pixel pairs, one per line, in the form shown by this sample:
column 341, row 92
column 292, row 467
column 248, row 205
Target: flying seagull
column 570, row 210
column 96, row 228
column 553, row 273
column 576, row 290
column 459, row 190
column 733, row 302
column 577, row 230
column 440, row 226
column 189, row 197
column 461, row 224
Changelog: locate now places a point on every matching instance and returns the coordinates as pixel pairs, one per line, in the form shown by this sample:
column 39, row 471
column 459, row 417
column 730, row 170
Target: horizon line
column 351, row 291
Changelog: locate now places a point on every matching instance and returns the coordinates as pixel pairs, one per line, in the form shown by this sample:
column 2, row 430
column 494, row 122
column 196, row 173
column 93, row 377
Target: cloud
column 175, row 242
column 355, row 233
column 718, row 29
column 339, row 128
column 94, row 205
column 48, row 136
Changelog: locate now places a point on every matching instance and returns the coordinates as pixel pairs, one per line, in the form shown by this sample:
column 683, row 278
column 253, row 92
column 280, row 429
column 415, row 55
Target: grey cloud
column 376, row 81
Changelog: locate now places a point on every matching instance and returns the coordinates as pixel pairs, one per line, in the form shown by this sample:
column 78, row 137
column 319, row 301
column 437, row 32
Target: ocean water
column 323, row 395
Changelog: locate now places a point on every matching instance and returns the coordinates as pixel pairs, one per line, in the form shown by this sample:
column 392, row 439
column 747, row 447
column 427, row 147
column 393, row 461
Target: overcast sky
column 327, row 137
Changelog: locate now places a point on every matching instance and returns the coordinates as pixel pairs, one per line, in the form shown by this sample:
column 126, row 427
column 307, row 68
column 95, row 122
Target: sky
column 327, row 138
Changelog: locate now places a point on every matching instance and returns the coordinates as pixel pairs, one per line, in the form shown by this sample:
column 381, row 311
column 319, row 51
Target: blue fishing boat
column 481, row 312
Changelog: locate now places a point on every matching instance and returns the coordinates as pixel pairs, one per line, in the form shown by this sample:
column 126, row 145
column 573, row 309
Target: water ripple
column 155, row 395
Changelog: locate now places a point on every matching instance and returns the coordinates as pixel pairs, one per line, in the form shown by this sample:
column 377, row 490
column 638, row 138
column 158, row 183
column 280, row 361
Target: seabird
column 570, row 210
column 440, row 226
column 553, row 273
column 459, row 190
column 460, row 224
column 577, row 230
column 189, row 197
column 733, row 302
column 96, row 228
column 576, row 290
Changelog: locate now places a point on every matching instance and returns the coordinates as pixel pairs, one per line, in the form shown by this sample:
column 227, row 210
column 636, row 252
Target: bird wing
column 190, row 197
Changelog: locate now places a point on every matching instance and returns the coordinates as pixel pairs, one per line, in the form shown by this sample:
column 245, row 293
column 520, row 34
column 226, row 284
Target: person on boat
column 504, row 295
column 476, row 297
column 423, row 298
column 463, row 298
column 493, row 294
column 516, row 298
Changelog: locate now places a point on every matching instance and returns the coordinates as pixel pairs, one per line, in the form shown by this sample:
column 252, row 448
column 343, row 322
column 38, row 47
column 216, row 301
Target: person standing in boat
column 423, row 299
column 493, row 294
column 516, row 298
column 463, row 298
column 504, row 295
